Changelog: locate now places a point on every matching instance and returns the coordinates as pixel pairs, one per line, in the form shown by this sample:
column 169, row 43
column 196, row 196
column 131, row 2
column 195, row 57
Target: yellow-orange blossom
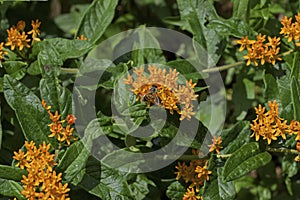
column 170, row 92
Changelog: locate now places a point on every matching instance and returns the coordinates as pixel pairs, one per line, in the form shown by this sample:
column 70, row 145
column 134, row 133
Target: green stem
column 223, row 156
column 224, row 67
column 56, row 152
column 69, row 70
column 282, row 150
column 196, row 157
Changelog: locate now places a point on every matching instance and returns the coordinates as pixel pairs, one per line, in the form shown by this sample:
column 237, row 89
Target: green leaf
column 68, row 49
column 111, row 75
column 73, row 161
column 235, row 137
column 96, row 19
column 11, row 173
column 295, row 71
column 240, row 95
column 94, row 69
column 16, row 69
column 295, row 94
column 244, row 160
column 289, row 166
column 11, row 189
column 271, row 88
column 34, row 68
column 70, row 21
column 85, row 171
column 127, row 160
column 186, row 69
column 31, row 115
column 1, row 130
column 175, row 191
column 208, row 44
column 230, row 27
column 49, row 58
column 175, row 20
column 284, row 88
column 249, row 85
column 141, row 53
column 241, row 9
column 104, row 182
column 217, row 189
column 139, row 187
column 56, row 96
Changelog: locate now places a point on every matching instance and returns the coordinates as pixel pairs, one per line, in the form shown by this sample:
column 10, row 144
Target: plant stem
column 223, row 156
column 69, row 70
column 282, row 150
column 224, row 67
column 196, row 157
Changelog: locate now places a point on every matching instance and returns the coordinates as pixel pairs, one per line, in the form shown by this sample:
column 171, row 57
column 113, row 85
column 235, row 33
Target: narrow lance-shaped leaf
column 295, row 71
column 11, row 173
column 96, row 19
column 241, row 9
column 56, row 96
column 244, row 160
column 11, row 188
column 31, row 115
column 295, row 93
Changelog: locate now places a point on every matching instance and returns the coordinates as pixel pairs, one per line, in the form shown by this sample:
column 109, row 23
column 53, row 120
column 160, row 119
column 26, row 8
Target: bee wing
column 157, row 100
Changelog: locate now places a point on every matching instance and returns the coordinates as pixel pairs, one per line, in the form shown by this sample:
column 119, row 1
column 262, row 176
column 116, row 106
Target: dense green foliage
column 74, row 76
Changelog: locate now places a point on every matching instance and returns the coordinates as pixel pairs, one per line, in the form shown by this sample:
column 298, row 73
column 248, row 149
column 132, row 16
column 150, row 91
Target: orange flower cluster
column 18, row 38
column 269, row 125
column 167, row 91
column 215, row 146
column 190, row 195
column 261, row 50
column 195, row 173
column 291, row 30
column 1, row 51
column 62, row 134
column 42, row 182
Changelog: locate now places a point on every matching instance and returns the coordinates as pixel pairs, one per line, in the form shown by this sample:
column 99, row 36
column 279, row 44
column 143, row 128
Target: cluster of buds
column 41, row 182
column 57, row 128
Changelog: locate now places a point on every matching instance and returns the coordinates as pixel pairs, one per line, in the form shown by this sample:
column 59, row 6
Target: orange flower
column 35, row 32
column 190, row 195
column 203, row 172
column 215, row 146
column 41, row 182
column 1, row 51
column 61, row 133
column 45, row 105
column 259, row 50
column 160, row 87
column 188, row 173
column 71, row 119
column 269, row 125
column 81, row 37
column 21, row 25
column 244, row 42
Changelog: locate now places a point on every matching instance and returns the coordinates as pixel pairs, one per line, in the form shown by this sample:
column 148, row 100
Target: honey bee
column 151, row 96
